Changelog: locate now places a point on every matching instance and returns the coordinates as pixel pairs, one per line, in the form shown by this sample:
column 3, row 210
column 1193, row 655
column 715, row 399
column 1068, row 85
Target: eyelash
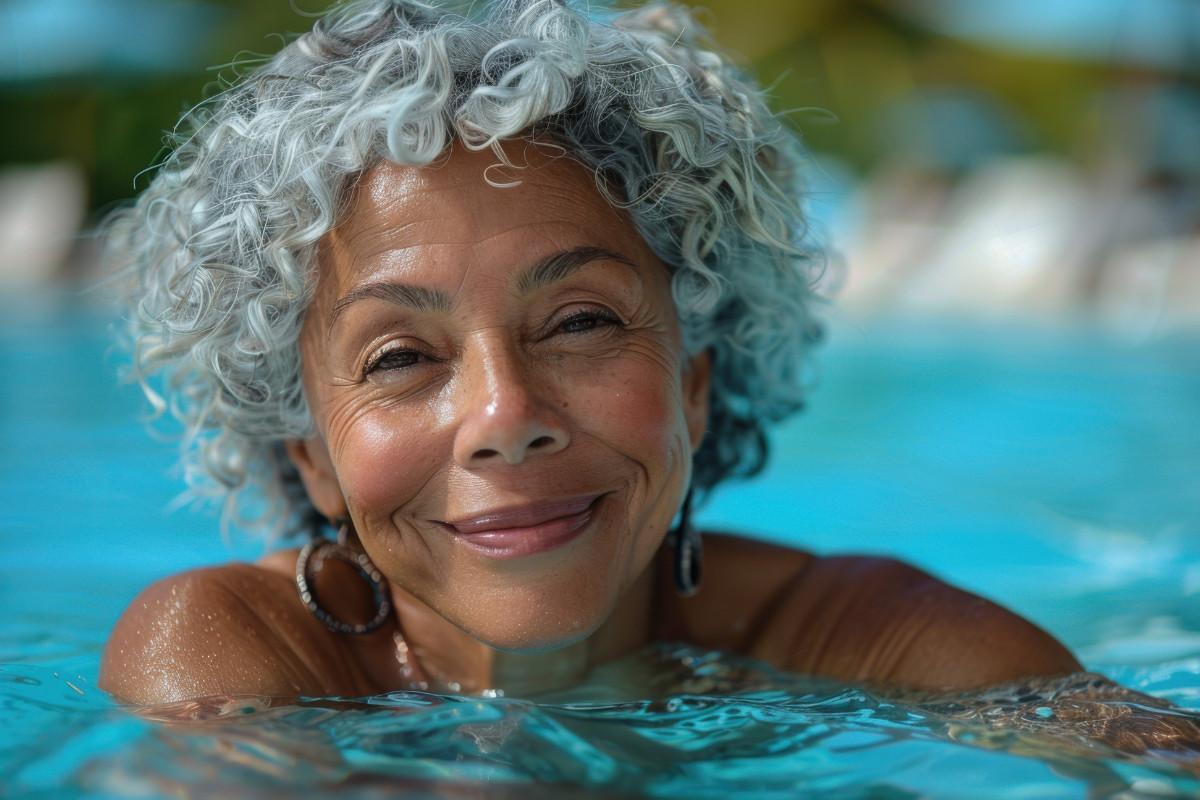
column 596, row 317
column 377, row 362
column 592, row 315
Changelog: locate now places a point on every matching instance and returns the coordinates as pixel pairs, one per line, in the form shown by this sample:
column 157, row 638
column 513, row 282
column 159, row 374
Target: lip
column 524, row 530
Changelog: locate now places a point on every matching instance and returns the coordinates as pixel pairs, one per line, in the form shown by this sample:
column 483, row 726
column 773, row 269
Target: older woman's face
column 502, row 401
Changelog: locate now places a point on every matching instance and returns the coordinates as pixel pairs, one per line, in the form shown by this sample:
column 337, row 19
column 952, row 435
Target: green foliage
column 835, row 67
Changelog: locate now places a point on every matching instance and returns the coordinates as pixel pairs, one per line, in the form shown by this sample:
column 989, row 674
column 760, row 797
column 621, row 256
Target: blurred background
column 971, row 157
column 1010, row 390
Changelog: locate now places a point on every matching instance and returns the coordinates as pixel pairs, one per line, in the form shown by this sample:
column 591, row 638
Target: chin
column 546, row 603
column 538, row 632
column 535, row 645
column 541, row 621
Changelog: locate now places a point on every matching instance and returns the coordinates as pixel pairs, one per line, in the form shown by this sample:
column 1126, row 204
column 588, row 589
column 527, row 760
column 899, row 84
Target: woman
column 496, row 297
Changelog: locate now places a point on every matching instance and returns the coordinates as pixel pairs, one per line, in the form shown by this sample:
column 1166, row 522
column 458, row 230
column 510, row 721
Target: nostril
column 514, row 449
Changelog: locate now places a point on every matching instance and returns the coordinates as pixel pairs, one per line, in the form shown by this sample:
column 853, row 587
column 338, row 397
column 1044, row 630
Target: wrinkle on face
column 400, row 439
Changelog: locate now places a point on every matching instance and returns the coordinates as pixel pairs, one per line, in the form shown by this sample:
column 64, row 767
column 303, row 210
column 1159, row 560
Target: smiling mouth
column 524, row 530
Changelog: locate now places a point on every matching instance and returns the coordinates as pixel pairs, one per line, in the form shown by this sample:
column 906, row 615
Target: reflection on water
column 670, row 721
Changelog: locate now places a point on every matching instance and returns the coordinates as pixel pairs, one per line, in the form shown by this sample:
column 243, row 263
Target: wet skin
column 469, row 349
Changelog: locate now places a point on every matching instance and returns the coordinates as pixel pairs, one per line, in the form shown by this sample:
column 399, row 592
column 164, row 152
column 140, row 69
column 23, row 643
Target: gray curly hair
column 220, row 247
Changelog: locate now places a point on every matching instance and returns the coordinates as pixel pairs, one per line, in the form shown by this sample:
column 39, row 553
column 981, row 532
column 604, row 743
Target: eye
column 585, row 321
column 394, row 359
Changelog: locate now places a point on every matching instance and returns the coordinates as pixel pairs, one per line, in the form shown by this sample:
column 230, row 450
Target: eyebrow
column 558, row 266
column 550, row 269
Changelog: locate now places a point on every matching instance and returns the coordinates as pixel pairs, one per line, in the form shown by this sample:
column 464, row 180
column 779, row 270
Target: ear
column 697, row 382
column 311, row 457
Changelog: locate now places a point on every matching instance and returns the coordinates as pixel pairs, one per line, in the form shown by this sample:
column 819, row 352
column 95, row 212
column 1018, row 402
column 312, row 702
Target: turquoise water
column 1054, row 471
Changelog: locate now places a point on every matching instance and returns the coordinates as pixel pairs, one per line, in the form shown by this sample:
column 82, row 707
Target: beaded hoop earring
column 688, row 550
column 314, row 553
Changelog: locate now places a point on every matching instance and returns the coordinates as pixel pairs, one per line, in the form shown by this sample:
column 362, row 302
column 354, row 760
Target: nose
column 504, row 415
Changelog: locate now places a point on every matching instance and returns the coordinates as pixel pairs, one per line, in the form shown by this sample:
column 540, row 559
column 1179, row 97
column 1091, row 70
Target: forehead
column 403, row 218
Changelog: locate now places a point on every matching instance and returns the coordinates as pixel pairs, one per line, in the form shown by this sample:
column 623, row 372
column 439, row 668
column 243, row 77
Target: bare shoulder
column 884, row 621
column 743, row 579
column 232, row 629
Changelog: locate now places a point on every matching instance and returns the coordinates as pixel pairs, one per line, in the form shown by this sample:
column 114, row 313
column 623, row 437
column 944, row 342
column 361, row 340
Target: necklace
column 411, row 671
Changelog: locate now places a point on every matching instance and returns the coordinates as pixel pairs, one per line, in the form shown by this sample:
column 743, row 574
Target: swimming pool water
column 1052, row 470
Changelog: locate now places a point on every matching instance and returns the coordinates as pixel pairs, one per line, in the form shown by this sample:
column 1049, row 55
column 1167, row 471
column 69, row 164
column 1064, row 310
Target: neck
column 442, row 656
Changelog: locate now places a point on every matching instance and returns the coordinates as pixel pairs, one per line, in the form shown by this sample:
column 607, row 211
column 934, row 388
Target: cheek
column 383, row 459
column 634, row 407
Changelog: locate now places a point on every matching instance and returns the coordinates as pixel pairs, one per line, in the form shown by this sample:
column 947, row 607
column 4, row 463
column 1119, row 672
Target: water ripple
column 753, row 732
